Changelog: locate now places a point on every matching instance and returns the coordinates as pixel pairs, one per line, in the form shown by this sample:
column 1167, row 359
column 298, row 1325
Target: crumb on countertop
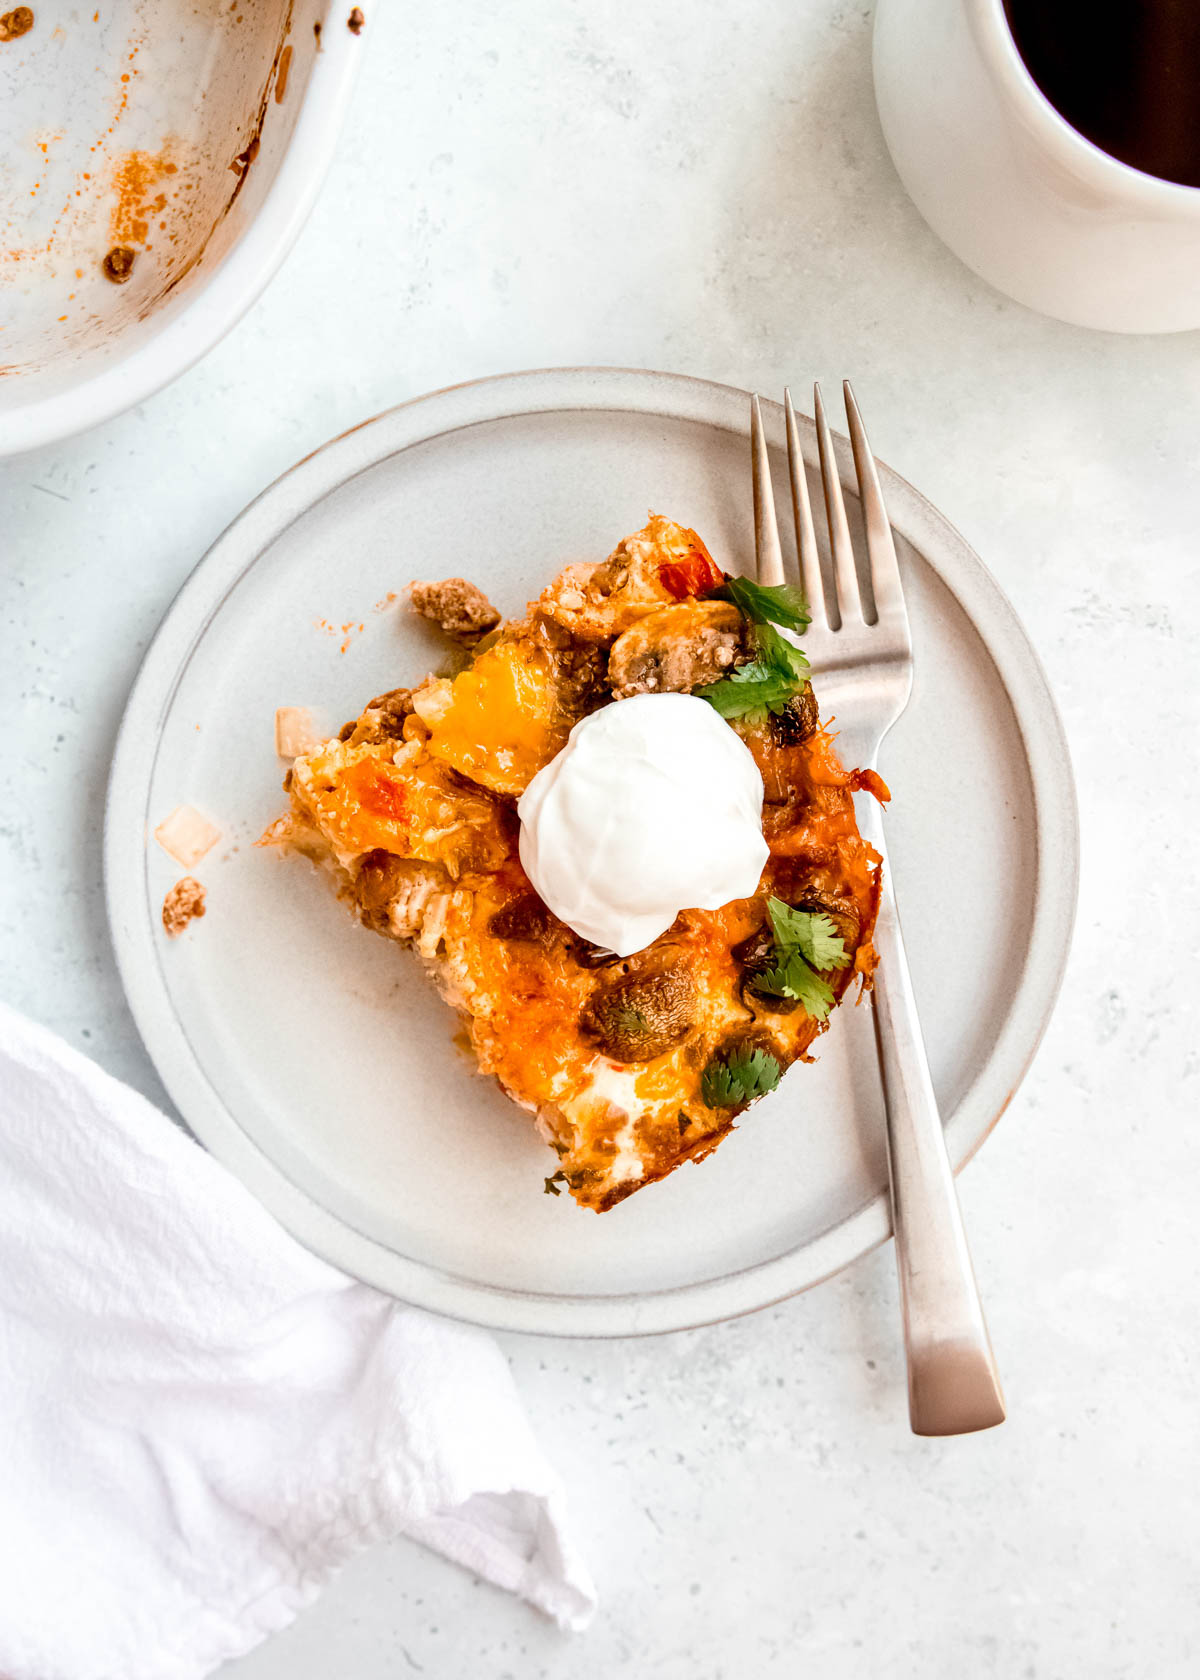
column 16, row 23
column 186, row 836
column 182, row 905
column 354, row 23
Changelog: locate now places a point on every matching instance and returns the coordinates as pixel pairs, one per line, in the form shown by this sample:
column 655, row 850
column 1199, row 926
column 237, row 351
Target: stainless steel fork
column 861, row 654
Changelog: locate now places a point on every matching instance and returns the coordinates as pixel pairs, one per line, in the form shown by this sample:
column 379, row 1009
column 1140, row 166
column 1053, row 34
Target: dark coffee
column 1125, row 73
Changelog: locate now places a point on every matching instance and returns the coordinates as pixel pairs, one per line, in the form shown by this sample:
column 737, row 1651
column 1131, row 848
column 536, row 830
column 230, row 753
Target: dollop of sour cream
column 653, row 806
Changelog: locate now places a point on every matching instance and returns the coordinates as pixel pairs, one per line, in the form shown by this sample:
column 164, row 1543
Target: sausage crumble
column 182, row 905
column 457, row 607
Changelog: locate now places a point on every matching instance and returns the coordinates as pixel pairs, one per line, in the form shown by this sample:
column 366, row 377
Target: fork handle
column 953, row 1384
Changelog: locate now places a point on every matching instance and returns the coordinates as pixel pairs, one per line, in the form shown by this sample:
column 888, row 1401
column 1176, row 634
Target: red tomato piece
column 695, row 574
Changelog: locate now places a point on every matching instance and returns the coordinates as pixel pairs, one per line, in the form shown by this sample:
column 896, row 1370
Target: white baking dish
column 192, row 134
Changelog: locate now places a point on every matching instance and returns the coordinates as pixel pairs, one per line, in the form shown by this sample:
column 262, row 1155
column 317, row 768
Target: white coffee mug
column 1014, row 190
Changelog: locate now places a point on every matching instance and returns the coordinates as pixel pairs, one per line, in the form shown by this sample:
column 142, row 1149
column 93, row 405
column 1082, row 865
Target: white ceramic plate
column 315, row 1059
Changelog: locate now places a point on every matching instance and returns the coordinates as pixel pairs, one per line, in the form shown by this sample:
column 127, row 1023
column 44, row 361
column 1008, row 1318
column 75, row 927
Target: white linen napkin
column 199, row 1420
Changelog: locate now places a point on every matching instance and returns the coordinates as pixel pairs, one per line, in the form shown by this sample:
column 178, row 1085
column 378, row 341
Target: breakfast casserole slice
column 631, row 1064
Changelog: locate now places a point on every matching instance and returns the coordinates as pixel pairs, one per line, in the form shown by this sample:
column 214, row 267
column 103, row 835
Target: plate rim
column 241, row 544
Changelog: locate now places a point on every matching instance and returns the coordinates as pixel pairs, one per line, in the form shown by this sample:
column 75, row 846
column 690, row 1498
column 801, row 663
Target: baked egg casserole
column 631, row 1064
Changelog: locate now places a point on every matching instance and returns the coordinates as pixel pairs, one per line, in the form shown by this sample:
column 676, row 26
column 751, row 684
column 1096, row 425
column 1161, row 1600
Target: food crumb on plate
column 354, row 23
column 459, row 608
column 182, row 905
column 186, row 835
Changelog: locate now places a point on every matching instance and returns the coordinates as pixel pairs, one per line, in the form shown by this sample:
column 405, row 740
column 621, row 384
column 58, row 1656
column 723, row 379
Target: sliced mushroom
column 799, row 720
column 676, row 649
column 641, row 1016
column 756, row 954
column 526, row 920
column 588, row 955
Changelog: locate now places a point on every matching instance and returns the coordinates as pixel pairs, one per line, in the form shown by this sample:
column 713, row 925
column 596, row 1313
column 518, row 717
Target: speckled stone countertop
column 707, row 191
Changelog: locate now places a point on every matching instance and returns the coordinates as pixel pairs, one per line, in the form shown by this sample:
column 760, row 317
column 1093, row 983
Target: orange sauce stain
column 123, row 181
column 281, row 79
column 135, row 175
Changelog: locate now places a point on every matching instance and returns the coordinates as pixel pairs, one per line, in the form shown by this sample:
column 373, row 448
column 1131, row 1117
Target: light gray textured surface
column 570, row 182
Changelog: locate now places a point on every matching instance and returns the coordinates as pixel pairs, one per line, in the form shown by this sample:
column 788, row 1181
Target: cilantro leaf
column 821, row 944
column 779, row 603
column 793, row 978
column 780, row 654
column 811, row 932
column 765, row 684
column 738, row 1077
column 750, row 692
column 805, row 941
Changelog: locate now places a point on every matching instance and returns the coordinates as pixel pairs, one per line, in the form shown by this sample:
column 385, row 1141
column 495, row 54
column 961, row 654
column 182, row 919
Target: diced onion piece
column 294, row 734
column 433, row 700
column 186, row 836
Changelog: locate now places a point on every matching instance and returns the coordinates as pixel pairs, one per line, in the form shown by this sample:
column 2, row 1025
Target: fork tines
column 844, row 604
